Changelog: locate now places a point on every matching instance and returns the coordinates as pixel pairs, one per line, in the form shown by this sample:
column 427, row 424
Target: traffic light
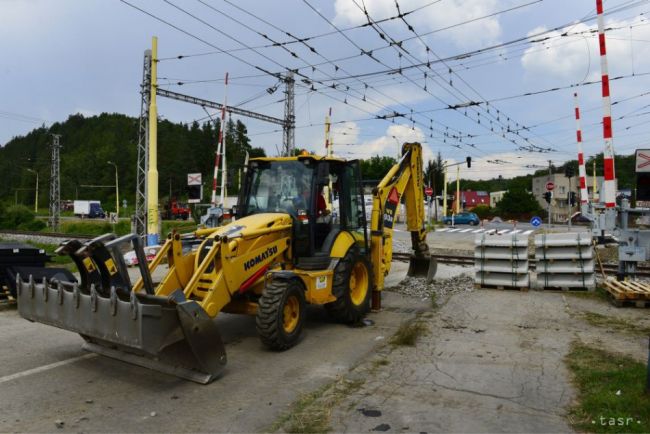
column 469, row 162
column 547, row 196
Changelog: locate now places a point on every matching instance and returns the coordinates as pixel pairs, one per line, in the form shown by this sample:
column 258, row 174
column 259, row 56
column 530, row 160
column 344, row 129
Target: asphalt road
column 46, row 377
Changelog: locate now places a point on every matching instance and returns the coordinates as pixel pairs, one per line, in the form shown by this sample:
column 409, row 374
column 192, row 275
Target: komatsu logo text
column 261, row 257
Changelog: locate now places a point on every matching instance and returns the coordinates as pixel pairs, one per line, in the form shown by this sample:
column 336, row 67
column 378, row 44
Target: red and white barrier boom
column 582, row 171
column 609, row 185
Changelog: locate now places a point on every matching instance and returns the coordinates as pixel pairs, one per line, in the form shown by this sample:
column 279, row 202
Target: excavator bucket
column 169, row 334
column 422, row 266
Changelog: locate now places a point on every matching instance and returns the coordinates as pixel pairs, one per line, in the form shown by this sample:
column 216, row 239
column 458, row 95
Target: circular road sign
column 550, row 186
column 536, row 221
column 428, row 191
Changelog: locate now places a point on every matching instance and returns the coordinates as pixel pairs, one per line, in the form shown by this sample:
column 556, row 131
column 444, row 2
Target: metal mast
column 289, row 127
column 55, row 185
column 143, row 150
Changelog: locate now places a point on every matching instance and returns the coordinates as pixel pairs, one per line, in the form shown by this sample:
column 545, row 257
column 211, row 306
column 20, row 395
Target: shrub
column 482, row 211
column 34, row 225
column 15, row 216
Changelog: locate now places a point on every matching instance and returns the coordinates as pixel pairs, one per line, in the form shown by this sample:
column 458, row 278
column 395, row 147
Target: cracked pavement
column 492, row 361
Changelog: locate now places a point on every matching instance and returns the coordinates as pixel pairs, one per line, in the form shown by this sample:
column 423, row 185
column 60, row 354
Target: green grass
column 408, row 334
column 598, row 294
column 598, row 375
column 614, row 324
column 311, row 412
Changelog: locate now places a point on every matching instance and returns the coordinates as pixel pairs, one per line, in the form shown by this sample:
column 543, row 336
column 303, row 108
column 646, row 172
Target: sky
column 451, row 74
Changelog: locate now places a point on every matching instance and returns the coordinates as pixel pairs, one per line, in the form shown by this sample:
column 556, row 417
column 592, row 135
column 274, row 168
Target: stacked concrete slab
column 565, row 261
column 501, row 261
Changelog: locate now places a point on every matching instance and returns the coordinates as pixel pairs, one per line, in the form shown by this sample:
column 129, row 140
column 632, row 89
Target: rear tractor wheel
column 281, row 314
column 352, row 281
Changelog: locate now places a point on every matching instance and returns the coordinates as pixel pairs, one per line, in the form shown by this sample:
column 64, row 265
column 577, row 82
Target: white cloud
column 432, row 17
column 387, row 145
column 576, row 58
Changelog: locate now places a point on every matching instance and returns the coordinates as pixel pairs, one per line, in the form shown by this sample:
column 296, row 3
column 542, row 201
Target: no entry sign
column 550, row 186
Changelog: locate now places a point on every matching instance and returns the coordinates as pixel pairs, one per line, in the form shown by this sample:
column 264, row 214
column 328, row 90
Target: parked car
column 463, row 218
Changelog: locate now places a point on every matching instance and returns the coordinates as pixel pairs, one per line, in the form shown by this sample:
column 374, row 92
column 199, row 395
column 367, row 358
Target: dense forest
column 89, row 143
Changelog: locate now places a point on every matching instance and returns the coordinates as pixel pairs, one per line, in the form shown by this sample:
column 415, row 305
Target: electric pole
column 550, row 164
column 288, row 129
column 140, row 225
column 55, row 185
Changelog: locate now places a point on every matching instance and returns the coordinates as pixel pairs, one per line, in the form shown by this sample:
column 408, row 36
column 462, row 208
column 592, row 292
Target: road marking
column 478, row 231
column 45, row 368
column 503, row 232
column 442, row 230
column 454, row 230
column 516, row 231
column 465, row 230
column 491, row 231
column 528, row 232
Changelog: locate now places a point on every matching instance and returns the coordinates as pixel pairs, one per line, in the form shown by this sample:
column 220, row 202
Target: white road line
column 516, row 231
column 465, row 230
column 503, row 232
column 442, row 230
column 454, row 230
column 45, row 368
column 490, row 231
column 528, row 232
column 477, row 231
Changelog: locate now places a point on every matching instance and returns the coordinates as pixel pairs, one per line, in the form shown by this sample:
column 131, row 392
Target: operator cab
column 323, row 196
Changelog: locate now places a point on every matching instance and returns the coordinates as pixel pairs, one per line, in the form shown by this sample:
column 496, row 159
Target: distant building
column 559, row 204
column 470, row 199
column 495, row 197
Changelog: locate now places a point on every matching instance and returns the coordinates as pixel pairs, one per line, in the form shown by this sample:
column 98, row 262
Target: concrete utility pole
column 55, row 185
column 289, row 127
column 550, row 220
column 152, row 174
column 117, row 190
column 457, row 189
column 36, row 196
column 444, row 193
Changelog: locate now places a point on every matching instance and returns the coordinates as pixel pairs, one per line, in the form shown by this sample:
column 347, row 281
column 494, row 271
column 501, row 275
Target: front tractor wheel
column 352, row 281
column 281, row 314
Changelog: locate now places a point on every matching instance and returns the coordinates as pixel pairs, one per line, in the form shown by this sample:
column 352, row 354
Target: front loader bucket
column 168, row 334
column 177, row 338
column 422, row 266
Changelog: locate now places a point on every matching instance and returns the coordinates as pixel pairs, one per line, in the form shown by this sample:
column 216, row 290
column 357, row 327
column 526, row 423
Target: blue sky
column 85, row 56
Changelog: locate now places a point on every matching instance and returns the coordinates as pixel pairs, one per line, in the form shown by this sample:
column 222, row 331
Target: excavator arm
column 403, row 181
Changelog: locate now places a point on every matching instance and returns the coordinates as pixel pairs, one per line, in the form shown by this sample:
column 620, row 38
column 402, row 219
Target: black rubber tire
column 270, row 313
column 343, row 309
column 472, row 223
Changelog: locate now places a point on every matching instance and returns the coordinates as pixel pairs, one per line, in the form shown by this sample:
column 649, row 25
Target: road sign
column 112, row 217
column 536, row 221
column 428, row 191
column 642, row 160
column 193, row 179
column 550, row 186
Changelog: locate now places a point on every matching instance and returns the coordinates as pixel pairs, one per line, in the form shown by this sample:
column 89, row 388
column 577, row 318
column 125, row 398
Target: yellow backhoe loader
column 285, row 249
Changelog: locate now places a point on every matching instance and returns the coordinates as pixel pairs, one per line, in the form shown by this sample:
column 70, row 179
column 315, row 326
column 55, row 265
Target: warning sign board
column 642, row 160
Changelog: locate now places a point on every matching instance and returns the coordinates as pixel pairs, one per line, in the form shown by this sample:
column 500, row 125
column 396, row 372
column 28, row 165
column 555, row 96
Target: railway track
column 469, row 261
column 397, row 256
column 46, row 234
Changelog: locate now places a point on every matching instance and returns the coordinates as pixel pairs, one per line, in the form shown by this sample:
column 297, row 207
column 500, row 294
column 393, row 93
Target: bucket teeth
column 174, row 337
